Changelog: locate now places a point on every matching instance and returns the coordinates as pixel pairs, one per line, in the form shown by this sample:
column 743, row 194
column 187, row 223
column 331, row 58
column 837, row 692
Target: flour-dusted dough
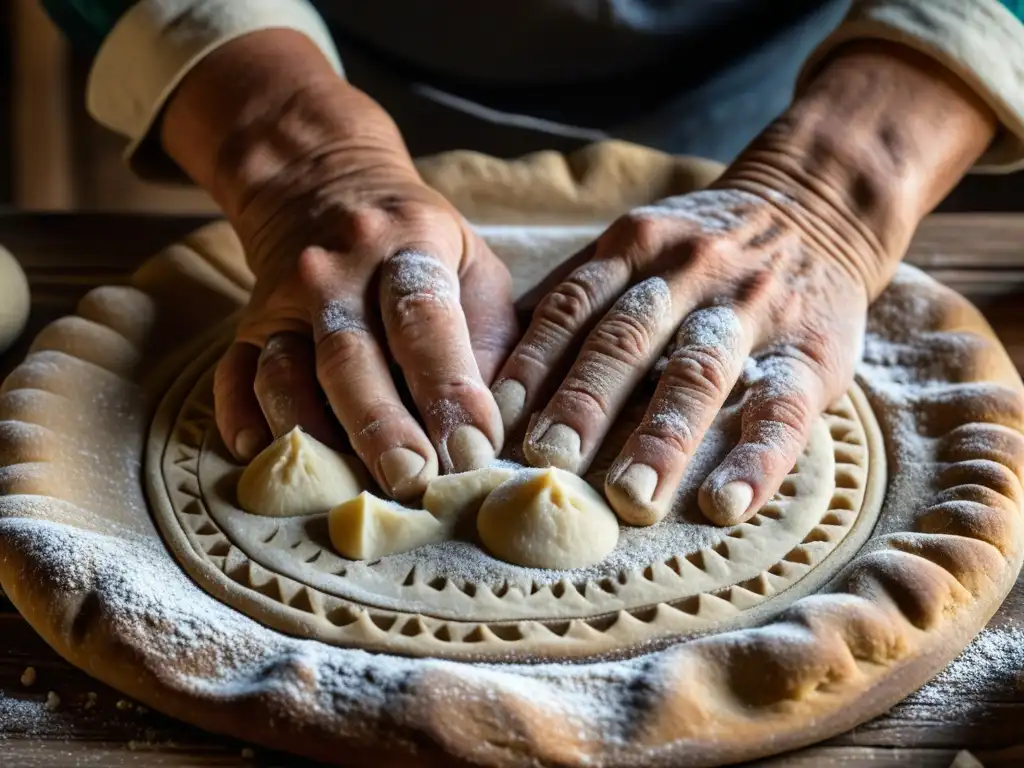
column 368, row 528
column 14, row 300
column 298, row 475
column 946, row 550
column 547, row 518
column 455, row 498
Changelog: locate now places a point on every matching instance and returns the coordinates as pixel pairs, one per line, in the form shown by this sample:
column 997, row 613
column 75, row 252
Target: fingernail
column 640, row 481
column 401, row 468
column 559, row 446
column 733, row 499
column 630, row 491
column 510, row 396
column 249, row 442
column 469, row 448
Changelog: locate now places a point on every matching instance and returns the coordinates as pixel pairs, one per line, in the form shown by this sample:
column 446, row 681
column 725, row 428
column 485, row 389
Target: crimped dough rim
column 895, row 615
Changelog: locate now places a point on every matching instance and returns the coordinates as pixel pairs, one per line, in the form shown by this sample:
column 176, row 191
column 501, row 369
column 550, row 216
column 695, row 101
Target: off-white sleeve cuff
column 157, row 42
column 979, row 40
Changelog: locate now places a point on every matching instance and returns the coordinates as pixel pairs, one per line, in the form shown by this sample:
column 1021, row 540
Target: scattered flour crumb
column 52, row 701
column 90, row 699
column 28, row 677
column 124, row 704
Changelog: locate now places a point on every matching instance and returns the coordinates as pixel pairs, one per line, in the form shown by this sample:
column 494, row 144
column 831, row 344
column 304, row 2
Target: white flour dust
column 417, row 274
column 338, row 317
column 990, row 668
column 200, row 647
column 714, row 211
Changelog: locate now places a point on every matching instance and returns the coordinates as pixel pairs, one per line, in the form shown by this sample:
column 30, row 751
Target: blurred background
column 53, row 157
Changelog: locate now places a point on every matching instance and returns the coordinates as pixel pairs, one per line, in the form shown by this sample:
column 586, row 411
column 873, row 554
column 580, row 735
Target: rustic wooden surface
column 982, row 256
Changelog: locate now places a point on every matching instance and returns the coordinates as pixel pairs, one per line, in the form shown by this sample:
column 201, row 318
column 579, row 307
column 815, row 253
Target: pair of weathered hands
column 360, row 267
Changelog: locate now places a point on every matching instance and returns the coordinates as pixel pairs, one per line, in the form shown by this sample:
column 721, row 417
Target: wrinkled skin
column 360, row 266
column 713, row 277
column 386, row 270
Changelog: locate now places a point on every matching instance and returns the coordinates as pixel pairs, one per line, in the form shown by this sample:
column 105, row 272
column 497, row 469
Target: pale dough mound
column 298, row 475
column 455, row 498
column 547, row 518
column 14, row 300
column 368, row 528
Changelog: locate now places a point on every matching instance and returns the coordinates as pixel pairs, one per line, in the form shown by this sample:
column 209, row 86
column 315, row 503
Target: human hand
column 357, row 264
column 708, row 280
column 778, row 263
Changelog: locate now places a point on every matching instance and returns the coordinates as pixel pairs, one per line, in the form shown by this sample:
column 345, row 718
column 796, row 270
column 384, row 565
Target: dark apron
column 706, row 94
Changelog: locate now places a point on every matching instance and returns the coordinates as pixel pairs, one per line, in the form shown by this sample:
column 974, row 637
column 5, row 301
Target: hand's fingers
column 354, row 374
column 486, row 291
column 558, row 327
column 287, row 389
column 428, row 336
column 613, row 359
column 701, row 371
column 778, row 413
column 239, row 418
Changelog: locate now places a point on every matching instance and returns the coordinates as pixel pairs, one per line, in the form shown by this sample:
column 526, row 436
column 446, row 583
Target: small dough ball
column 547, row 518
column 368, row 528
column 455, row 498
column 298, row 475
column 14, row 300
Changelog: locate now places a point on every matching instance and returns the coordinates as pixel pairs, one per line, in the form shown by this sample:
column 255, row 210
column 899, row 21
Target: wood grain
column 982, row 256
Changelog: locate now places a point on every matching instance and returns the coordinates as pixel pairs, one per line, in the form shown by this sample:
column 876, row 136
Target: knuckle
column 359, row 226
column 311, row 266
column 415, row 284
column 704, row 249
column 706, row 372
column 642, row 230
column 337, row 352
column 568, row 306
column 672, row 430
column 576, row 397
column 463, row 390
column 379, row 420
column 624, row 338
column 417, row 316
column 791, row 411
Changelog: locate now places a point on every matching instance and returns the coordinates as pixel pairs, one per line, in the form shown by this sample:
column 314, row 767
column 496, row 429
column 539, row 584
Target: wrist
column 262, row 106
column 874, row 143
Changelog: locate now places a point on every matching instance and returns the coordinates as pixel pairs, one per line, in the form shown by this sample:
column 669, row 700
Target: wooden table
column 982, row 256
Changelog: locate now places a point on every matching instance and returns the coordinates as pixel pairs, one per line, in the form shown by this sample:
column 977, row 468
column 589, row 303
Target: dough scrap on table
column 298, row 475
column 547, row 518
column 368, row 528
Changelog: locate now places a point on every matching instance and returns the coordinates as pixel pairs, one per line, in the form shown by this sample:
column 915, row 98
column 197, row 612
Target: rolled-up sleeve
column 981, row 41
column 144, row 49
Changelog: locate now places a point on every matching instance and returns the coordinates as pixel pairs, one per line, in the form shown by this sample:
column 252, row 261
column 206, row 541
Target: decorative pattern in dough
column 682, row 576
column 81, row 559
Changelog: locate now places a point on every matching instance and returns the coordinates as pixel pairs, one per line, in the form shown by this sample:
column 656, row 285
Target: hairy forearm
column 254, row 106
column 874, row 143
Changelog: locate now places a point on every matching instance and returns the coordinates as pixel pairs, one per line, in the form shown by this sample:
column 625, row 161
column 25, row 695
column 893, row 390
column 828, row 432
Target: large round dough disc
column 891, row 544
